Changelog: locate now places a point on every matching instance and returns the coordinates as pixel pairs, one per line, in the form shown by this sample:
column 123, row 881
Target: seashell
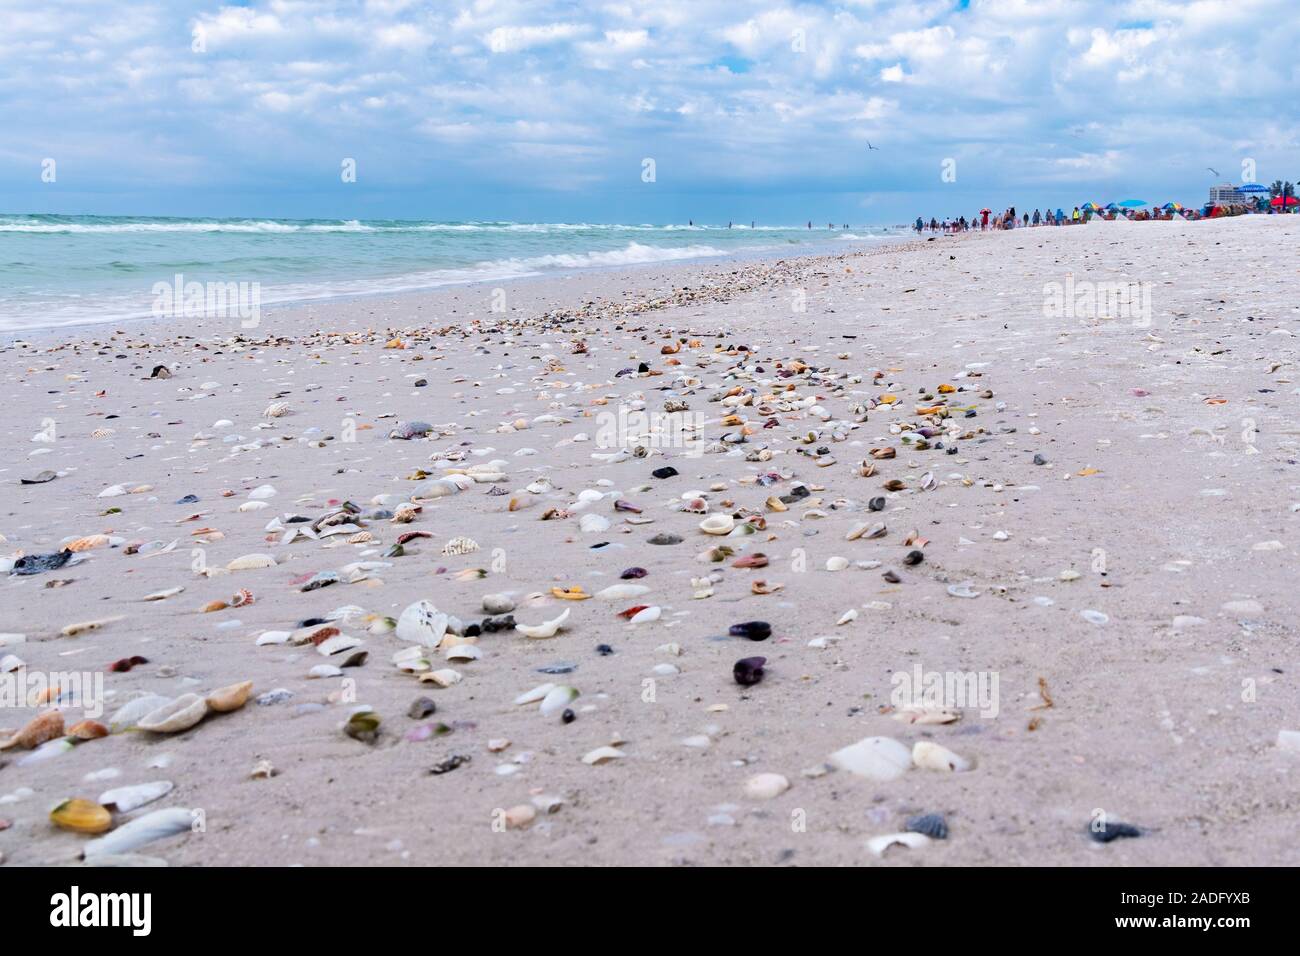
column 273, row 637
column 163, row 595
column 103, row 433
column 593, row 523
column 214, row 606
column 622, row 592
column 602, row 755
column 337, row 644
column 766, row 786
column 963, row 590
column 836, row 563
column 87, row 730
column 718, row 524
column 84, row 627
column 534, row 695
column 276, row 410
column 441, row 678
column 520, row 816
column 262, row 492
column 254, row 505
column 556, row 699
column 87, row 543
column 932, row 756
column 42, row 727
column 460, row 545
column 146, row 829
column 545, row 629
column 422, row 623
column 324, row 670
column 250, row 562
column 232, row 697
column 361, row 537
column 463, row 652
column 932, row 825
column 81, row 816
column 876, row 758
column 177, row 715
column 241, row 598
column 878, row 845
column 128, row 716
column 126, row 799
column 363, row 726
column 112, row 491
column 646, row 615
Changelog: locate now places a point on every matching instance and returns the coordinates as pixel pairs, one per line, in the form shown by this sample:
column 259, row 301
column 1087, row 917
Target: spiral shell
column 103, row 432
column 242, row 597
column 361, row 537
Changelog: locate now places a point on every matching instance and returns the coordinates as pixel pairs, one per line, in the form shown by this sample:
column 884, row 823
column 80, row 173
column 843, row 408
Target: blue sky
column 543, row 110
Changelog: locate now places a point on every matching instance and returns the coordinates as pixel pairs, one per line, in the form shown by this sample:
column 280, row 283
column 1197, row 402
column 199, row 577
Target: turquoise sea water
column 66, row 270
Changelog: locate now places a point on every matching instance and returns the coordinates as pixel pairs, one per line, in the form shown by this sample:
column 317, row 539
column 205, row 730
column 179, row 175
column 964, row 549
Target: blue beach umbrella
column 1133, row 203
column 1252, row 188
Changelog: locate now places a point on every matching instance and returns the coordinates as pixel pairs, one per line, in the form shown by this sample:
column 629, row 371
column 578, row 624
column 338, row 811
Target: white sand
column 1171, row 728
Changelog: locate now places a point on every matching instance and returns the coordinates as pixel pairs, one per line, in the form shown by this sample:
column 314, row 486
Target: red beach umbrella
column 1290, row 201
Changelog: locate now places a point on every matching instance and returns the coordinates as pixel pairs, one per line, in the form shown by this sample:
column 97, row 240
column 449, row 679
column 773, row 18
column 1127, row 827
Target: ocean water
column 72, row 270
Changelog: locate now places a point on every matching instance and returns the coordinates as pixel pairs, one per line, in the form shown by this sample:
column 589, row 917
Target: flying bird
column 869, row 146
column 1213, row 170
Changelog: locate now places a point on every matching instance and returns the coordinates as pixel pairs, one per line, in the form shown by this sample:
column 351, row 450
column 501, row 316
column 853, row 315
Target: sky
column 862, row 112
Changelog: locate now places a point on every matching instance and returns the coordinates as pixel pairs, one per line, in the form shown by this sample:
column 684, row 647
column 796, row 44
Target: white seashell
column 276, row 410
column 878, row 845
column 112, row 491
column 848, row 616
column 463, row 652
column 718, row 524
column 876, row 758
column 602, row 755
column 921, row 714
column 593, row 523
column 556, row 699
column 422, row 623
column 324, row 670
column 442, row 678
column 646, row 616
column 337, row 644
column 126, row 799
column 460, row 545
column 129, row 715
column 836, row 563
column 162, row 595
column 10, row 663
column 766, row 786
column 177, row 715
column 545, row 629
column 250, row 562
column 146, row 829
column 932, row 756
column 534, row 695
column 621, row 592
column 262, row 492
column 253, row 506
column 273, row 637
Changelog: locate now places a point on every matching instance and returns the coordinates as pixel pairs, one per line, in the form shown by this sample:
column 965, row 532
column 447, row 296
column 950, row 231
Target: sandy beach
column 936, row 457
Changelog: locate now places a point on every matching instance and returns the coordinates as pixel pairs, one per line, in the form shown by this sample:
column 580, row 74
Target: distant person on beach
column 984, row 218
column 1075, row 216
column 1037, row 219
column 920, row 224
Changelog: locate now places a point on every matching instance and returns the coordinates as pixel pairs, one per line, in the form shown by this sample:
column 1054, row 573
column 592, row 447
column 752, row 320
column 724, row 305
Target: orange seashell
column 42, row 727
column 946, row 389
column 214, row 606
column 87, row 543
column 87, row 730
column 882, row 453
column 575, row 593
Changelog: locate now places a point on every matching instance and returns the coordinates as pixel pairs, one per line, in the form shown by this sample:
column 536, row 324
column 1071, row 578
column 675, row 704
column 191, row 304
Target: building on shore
column 1226, row 194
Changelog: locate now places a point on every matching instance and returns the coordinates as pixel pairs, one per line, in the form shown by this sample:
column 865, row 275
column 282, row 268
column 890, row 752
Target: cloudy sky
column 548, row 110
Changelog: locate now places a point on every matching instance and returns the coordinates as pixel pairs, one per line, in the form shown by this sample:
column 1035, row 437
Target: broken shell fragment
column 545, row 629
column 38, row 730
column 876, row 758
column 126, row 799
column 146, row 829
column 931, row 756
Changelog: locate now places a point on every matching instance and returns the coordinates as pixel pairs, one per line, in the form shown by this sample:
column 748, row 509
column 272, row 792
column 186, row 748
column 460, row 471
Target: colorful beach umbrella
column 1175, row 206
column 1091, row 207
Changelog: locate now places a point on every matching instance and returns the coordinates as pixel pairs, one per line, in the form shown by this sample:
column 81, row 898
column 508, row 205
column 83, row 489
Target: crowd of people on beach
column 985, row 219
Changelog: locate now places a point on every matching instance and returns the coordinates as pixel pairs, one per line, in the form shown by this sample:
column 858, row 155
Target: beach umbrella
column 1091, row 207
column 1111, row 205
column 1252, row 188
column 1133, row 203
column 1290, row 201
column 1174, row 206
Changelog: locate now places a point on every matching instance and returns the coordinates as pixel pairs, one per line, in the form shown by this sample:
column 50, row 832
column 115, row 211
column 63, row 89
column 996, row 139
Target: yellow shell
column 225, row 699
column 81, row 816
